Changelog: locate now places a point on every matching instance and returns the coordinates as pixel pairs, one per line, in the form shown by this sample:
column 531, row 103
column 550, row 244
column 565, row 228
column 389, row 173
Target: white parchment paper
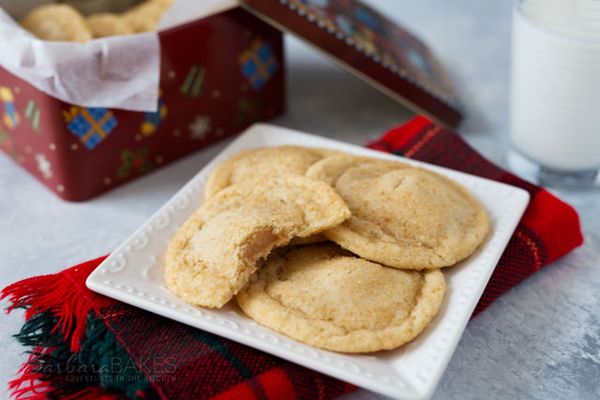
column 120, row 72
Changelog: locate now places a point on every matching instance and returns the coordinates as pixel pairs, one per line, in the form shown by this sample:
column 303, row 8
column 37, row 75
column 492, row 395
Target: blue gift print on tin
column 90, row 125
column 258, row 64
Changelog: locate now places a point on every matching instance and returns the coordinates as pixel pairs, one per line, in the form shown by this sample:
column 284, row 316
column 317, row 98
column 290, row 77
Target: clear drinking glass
column 555, row 90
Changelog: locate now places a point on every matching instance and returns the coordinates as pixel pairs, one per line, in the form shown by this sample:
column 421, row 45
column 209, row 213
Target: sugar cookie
column 321, row 206
column 326, row 297
column 106, row 24
column 264, row 161
column 146, row 16
column 214, row 253
column 57, row 22
column 403, row 217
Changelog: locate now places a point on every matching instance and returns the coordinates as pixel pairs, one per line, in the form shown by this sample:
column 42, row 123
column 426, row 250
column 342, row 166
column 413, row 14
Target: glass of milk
column 555, row 91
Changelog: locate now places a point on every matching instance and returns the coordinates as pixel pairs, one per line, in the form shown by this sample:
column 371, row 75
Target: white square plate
column 133, row 274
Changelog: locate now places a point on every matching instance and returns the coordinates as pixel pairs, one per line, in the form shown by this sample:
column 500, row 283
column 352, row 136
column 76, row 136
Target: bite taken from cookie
column 216, row 251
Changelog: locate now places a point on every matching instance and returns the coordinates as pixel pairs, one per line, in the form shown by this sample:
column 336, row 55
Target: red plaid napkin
column 87, row 346
column 548, row 230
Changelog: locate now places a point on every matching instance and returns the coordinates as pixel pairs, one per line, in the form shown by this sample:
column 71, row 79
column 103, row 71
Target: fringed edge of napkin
column 73, row 351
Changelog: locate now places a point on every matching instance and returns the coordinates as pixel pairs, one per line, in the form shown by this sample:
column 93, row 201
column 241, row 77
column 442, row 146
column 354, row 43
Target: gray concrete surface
column 539, row 341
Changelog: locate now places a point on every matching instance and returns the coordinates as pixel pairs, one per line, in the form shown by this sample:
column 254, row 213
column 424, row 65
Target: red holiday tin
column 219, row 74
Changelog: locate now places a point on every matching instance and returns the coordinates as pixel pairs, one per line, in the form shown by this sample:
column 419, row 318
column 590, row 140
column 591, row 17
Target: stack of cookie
column 334, row 250
column 62, row 22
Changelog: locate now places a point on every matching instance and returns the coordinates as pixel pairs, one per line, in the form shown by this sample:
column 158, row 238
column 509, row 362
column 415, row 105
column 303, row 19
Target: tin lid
column 373, row 47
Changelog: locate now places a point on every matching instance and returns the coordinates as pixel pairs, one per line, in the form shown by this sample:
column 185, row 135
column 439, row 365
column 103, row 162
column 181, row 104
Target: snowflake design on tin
column 199, row 128
column 44, row 165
